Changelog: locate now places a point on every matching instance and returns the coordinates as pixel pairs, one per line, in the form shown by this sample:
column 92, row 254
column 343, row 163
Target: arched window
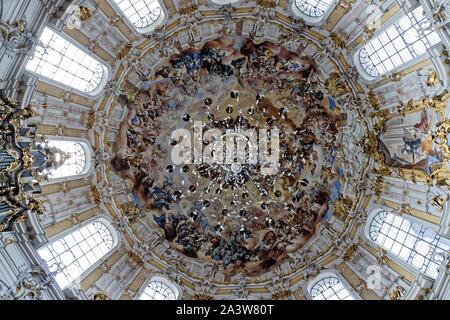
column 398, row 44
column 61, row 61
column 141, row 13
column 157, row 290
column 73, row 156
column 73, row 254
column 330, row 288
column 313, row 8
column 408, row 240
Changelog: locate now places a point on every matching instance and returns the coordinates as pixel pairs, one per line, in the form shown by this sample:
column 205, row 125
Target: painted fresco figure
column 411, row 145
column 251, row 245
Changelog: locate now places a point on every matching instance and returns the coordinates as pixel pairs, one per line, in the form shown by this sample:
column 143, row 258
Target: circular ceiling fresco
column 231, row 152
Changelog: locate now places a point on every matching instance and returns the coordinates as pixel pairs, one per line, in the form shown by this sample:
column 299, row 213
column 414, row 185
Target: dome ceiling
column 242, row 209
column 235, row 149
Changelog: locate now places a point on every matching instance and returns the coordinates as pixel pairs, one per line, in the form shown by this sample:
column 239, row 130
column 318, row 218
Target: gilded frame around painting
column 439, row 170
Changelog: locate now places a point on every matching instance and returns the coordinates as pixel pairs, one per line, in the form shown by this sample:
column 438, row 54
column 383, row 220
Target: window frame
column 163, row 279
column 315, row 21
column 90, row 95
column 326, row 274
column 116, row 244
column 410, row 267
column 82, row 156
column 390, row 22
column 89, row 163
column 145, row 30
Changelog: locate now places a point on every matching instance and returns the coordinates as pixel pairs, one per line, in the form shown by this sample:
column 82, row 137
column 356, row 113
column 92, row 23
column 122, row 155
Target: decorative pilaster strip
column 355, row 281
column 393, row 265
column 406, row 209
column 97, row 273
column 68, row 223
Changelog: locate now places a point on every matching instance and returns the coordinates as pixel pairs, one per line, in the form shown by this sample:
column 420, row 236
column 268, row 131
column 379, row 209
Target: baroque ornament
column 223, row 209
column 386, row 164
column 24, row 165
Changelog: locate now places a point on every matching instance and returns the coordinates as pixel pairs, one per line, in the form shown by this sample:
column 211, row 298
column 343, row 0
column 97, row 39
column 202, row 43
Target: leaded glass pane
column 59, row 60
column 157, row 290
column 74, row 164
column 313, row 8
column 412, row 242
column 330, row 288
column 71, row 255
column 398, row 44
column 141, row 13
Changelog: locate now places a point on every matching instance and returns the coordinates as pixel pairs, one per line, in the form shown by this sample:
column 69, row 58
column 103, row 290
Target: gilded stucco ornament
column 378, row 186
column 29, row 285
column 404, row 208
column 96, row 194
column 394, row 76
column 299, row 25
column 202, row 296
column 338, row 41
column 36, row 205
column 342, row 206
column 226, row 11
column 16, row 37
column 432, row 78
column 396, row 293
column 350, row 252
column 124, row 51
column 436, row 196
column 100, row 296
column 345, row 4
column 22, row 158
column 368, row 33
column 438, row 203
column 335, row 86
column 282, row 295
column 438, row 17
column 133, row 212
column 7, row 241
column 188, row 7
column 430, row 82
column 136, row 258
column 97, row 120
column 373, row 100
column 85, row 13
column 90, row 119
column 382, row 257
column 159, row 35
column 437, row 103
column 268, row 4
column 439, row 171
